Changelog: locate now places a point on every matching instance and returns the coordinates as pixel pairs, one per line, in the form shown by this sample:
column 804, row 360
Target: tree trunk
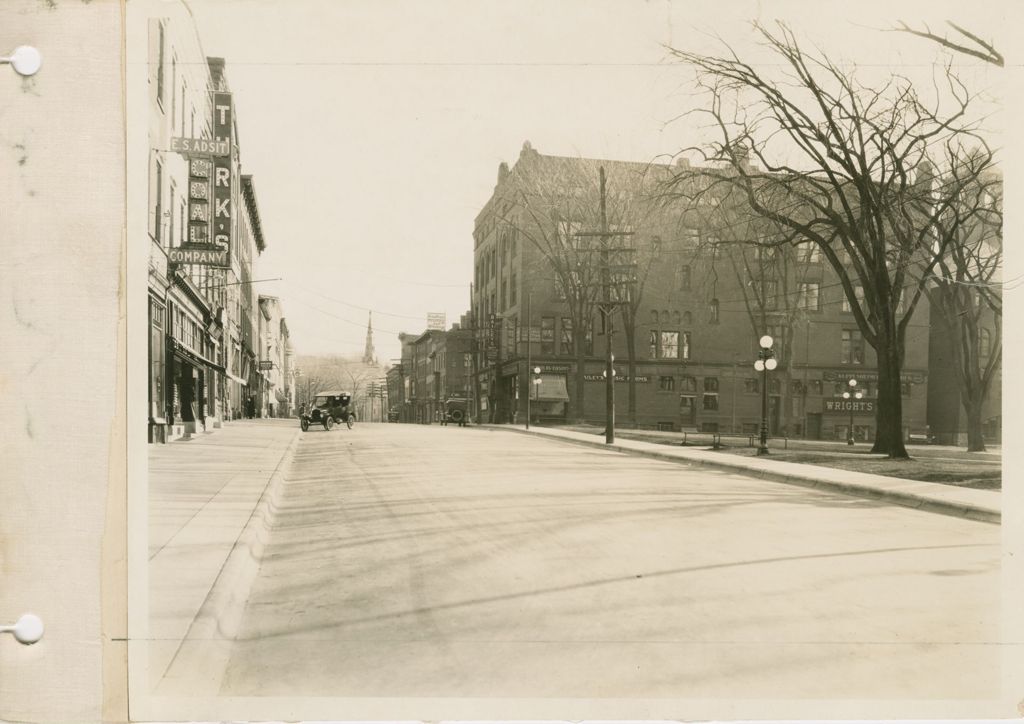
column 578, row 414
column 889, row 414
column 631, row 354
column 975, row 438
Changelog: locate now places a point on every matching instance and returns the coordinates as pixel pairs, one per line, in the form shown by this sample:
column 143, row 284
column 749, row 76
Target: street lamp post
column 852, row 394
column 765, row 361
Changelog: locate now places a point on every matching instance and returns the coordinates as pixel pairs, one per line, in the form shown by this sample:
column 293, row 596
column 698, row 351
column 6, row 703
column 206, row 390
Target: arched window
column 675, row 319
column 664, row 317
column 687, row 319
column 654, row 317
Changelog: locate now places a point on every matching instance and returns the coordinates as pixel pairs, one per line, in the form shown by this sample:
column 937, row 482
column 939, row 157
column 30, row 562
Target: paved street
column 407, row 560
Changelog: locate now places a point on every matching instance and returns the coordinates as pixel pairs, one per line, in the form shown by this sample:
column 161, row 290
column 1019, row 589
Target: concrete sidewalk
column 982, row 505
column 211, row 500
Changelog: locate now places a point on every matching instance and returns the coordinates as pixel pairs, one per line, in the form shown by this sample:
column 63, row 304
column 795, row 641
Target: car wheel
column 304, row 424
column 350, row 421
column 327, row 423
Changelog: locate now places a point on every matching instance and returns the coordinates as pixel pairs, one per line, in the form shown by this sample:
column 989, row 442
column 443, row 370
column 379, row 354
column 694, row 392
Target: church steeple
column 369, row 358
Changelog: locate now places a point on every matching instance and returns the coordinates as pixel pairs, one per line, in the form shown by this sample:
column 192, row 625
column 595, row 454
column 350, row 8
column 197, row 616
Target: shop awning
column 552, row 388
column 239, row 380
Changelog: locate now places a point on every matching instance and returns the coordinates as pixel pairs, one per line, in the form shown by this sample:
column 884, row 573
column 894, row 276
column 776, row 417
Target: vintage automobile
column 456, row 409
column 329, row 408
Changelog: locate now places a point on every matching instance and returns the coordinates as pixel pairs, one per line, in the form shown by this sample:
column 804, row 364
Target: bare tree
column 553, row 203
column 966, row 289
column 835, row 162
column 962, row 41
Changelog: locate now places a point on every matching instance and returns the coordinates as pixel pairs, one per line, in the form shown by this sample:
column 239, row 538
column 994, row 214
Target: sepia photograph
column 611, row 359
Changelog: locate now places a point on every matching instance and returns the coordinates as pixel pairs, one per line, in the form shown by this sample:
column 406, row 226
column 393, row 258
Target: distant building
column 694, row 330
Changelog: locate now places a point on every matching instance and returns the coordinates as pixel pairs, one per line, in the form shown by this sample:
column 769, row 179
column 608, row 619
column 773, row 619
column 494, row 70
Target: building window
column 710, row 401
column 858, row 293
column 667, row 384
column 687, row 319
column 559, row 288
column 566, row 344
column 811, row 254
column 797, row 387
column 160, row 65
column 670, row 345
column 905, row 388
column 158, row 193
column 171, row 216
column 814, row 387
column 547, row 335
column 684, row 349
column 766, row 293
column 709, row 426
column 714, row 309
column 684, row 278
column 852, row 347
column 774, row 386
column 687, row 383
column 808, row 296
column 174, row 92
column 653, row 347
column 984, row 343
column 751, row 385
column 711, row 384
column 512, row 290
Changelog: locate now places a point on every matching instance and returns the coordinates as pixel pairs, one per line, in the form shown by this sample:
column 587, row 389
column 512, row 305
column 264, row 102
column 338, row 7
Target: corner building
column 694, row 326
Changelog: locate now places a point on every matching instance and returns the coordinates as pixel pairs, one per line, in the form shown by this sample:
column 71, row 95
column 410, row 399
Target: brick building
column 694, row 318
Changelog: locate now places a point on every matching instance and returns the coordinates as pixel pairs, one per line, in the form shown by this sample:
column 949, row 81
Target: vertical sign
column 199, row 170
column 223, row 181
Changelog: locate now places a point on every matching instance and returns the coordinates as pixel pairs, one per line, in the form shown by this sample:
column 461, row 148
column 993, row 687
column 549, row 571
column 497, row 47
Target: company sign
column 618, row 378
column 266, row 364
column 844, row 375
column 200, row 146
column 436, row 320
column 201, row 254
column 842, row 406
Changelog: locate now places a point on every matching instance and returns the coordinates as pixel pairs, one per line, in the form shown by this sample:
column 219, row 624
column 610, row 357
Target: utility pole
column 607, row 306
column 529, row 360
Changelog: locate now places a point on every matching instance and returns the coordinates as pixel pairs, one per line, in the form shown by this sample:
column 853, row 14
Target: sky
column 374, row 128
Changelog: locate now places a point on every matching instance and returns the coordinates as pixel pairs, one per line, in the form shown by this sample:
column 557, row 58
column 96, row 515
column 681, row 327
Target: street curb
column 206, row 648
column 907, row 500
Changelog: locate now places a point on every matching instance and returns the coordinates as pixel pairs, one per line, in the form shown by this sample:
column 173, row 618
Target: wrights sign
column 842, row 406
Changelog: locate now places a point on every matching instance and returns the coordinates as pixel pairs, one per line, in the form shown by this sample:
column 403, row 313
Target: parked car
column 329, row 408
column 393, row 415
column 921, row 438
